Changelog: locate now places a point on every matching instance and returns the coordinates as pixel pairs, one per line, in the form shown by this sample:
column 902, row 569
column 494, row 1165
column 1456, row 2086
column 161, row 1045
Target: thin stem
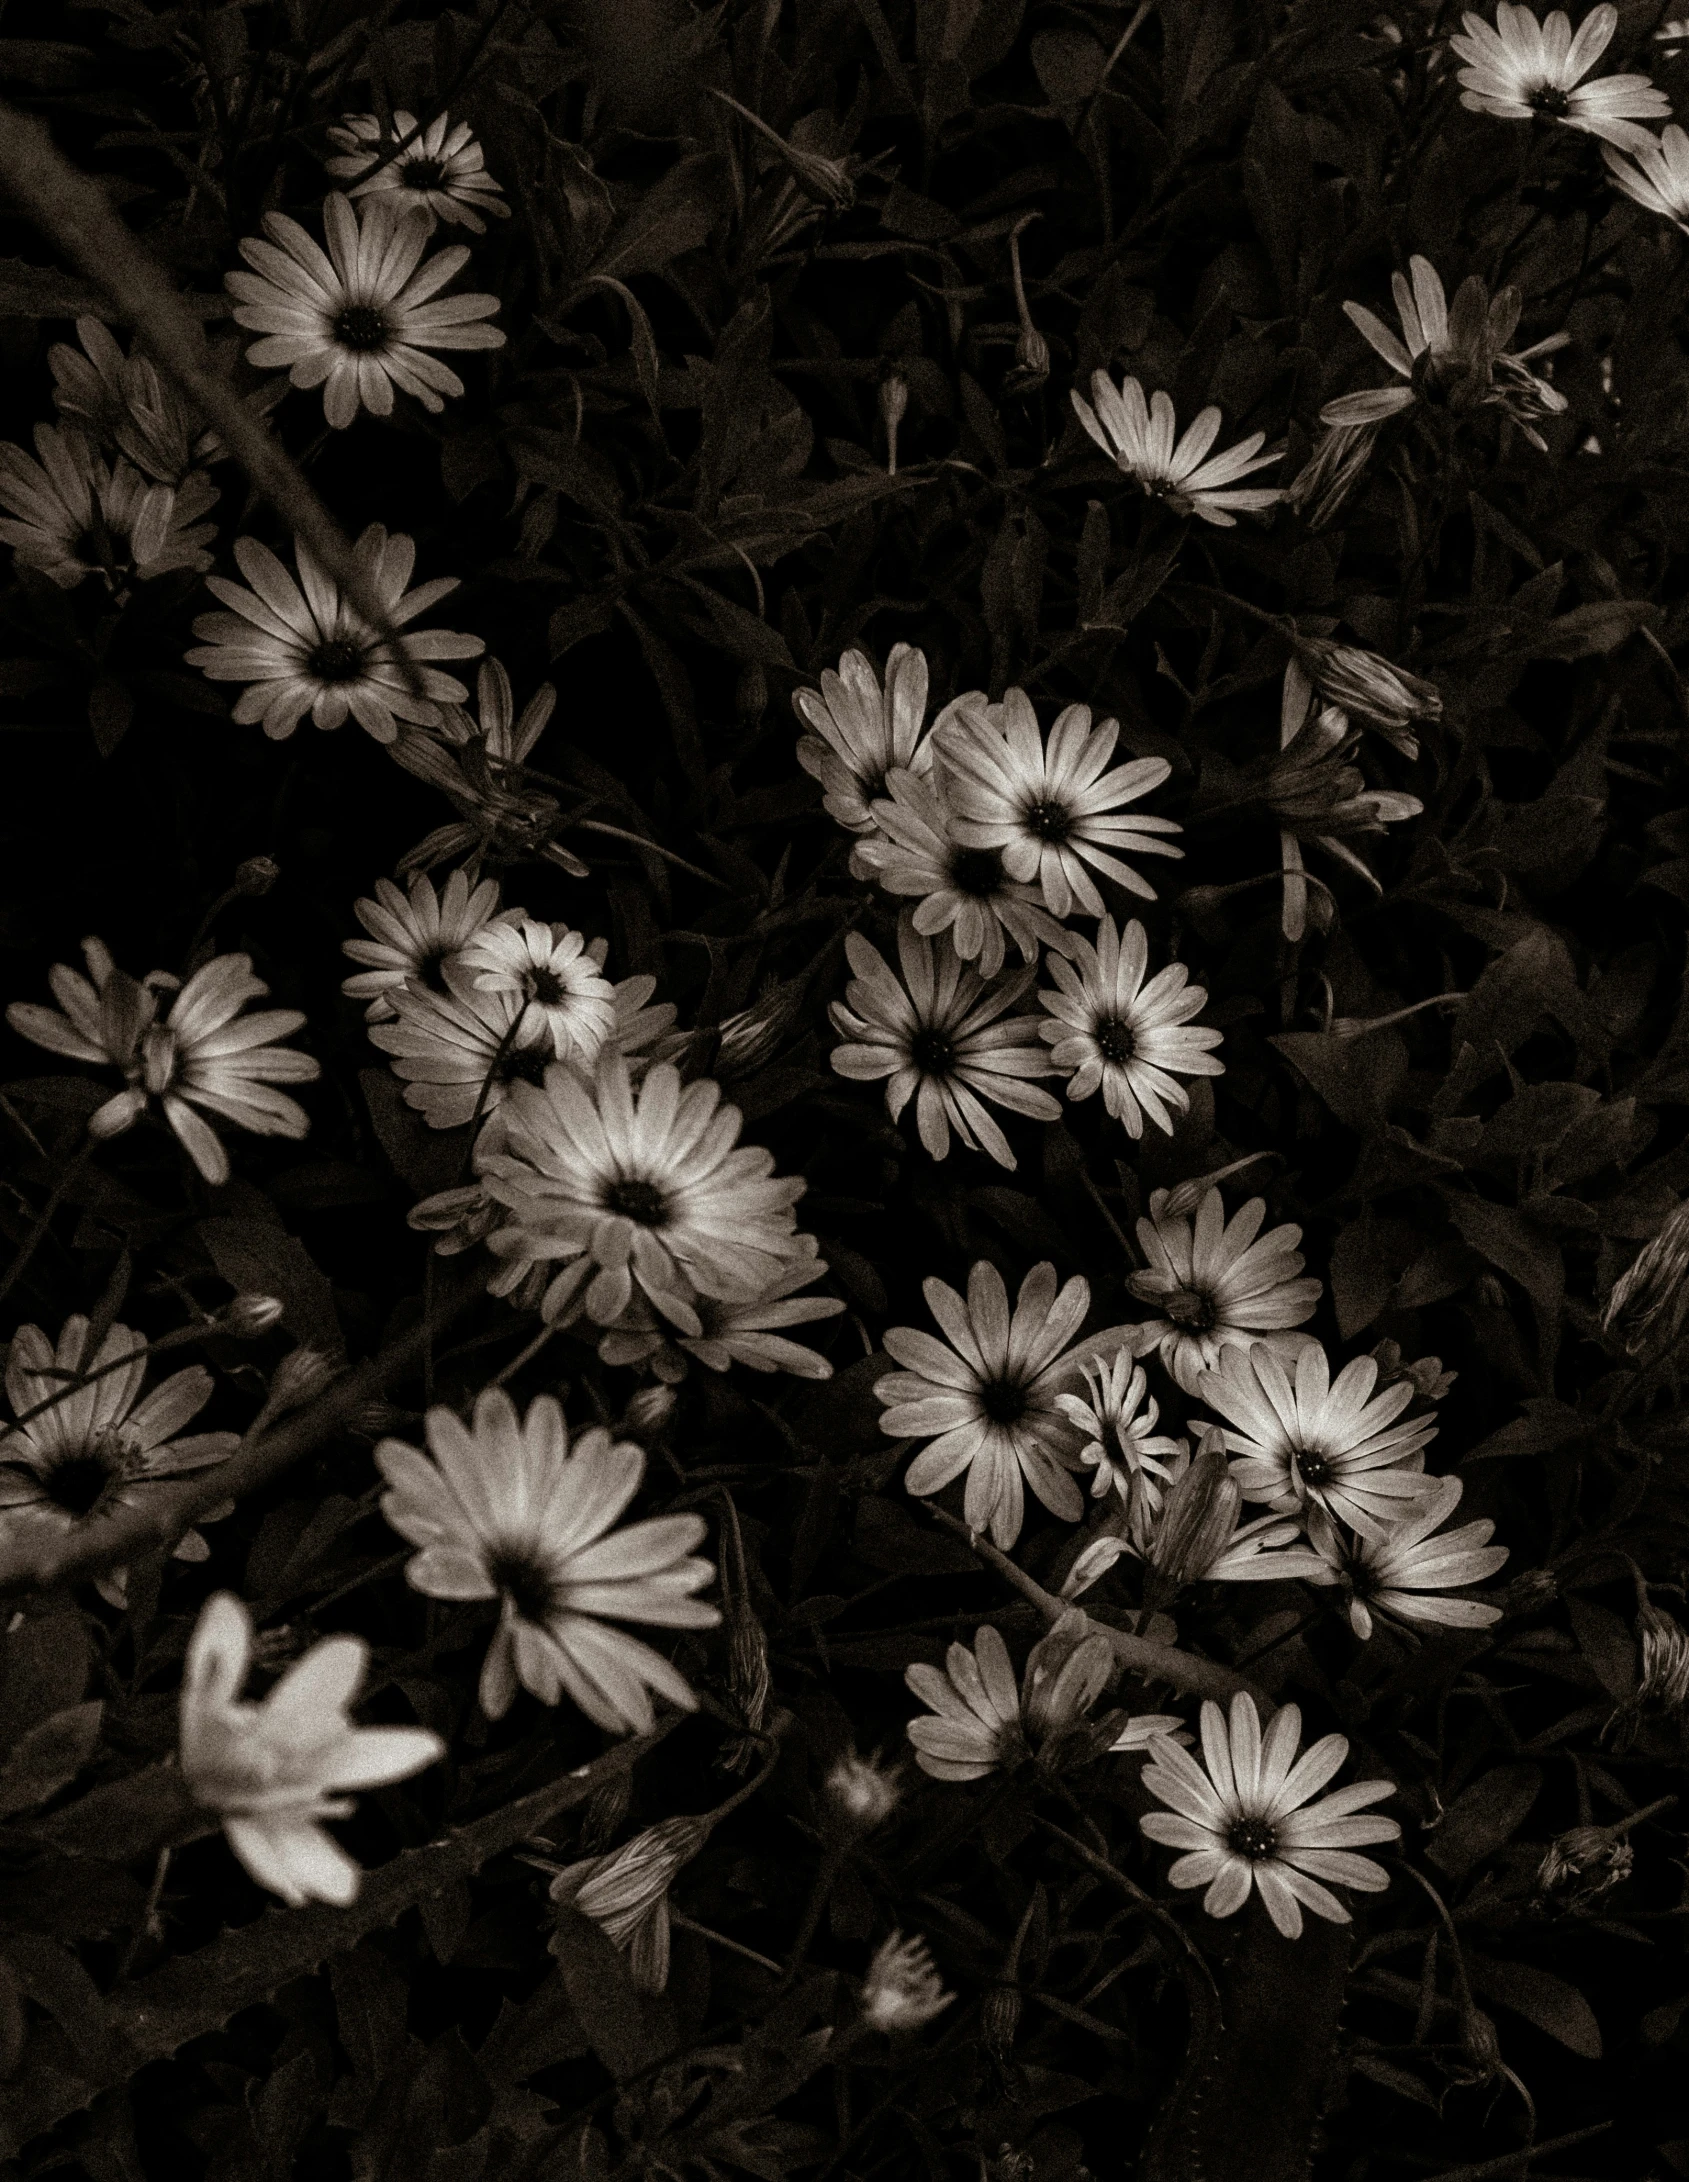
column 620, row 833
column 526, row 1355
column 720, row 1939
column 31, row 1242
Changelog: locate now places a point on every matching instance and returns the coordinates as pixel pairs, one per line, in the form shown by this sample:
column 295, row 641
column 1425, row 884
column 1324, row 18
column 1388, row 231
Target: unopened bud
column 1031, row 365
column 605, row 1810
column 903, row 1989
column 1199, row 1517
column 249, row 1315
column 1430, row 1381
column 1000, row 2020
column 1530, row 1593
column 299, row 1378
column 894, row 405
column 649, row 1409
column 379, row 1419
column 1665, row 1660
column 1184, row 1197
column 257, row 875
column 1646, row 1309
column 862, row 1794
column 1320, row 488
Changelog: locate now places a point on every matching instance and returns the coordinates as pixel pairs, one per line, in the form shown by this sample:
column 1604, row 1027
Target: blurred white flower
column 903, row 1989
column 442, row 169
column 72, row 517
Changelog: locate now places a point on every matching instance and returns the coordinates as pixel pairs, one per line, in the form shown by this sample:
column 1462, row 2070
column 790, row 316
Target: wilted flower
column 626, row 1893
column 1319, row 797
column 1138, row 437
column 985, row 1400
column 1245, row 1819
column 274, row 1771
column 1656, row 174
column 1582, row 1864
column 1320, row 487
column 441, row 171
column 862, row 1793
column 1217, row 1285
column 71, row 516
column 1523, row 69
column 981, row 1722
column 1363, row 685
column 903, row 1989
column 1650, row 1300
column 1407, row 1573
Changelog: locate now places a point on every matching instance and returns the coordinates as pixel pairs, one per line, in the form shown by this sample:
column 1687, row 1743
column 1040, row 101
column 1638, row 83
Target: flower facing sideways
column 304, row 648
column 1656, row 174
column 274, row 1771
column 1408, row 1573
column 980, row 1720
column 203, row 1057
column 1245, row 1818
column 441, row 171
column 123, row 404
column 985, row 1397
column 72, row 516
column 1526, row 69
column 626, row 1893
column 1138, row 437
column 861, row 729
column 1217, row 1283
column 507, row 1509
column 1113, row 1031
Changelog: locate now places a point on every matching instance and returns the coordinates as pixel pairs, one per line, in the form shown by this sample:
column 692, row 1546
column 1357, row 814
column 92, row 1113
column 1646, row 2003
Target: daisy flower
column 963, row 891
column 1245, row 1817
column 1523, row 69
column 902, row 1989
column 303, row 647
column 860, row 729
column 649, row 1192
column 1656, row 175
column 203, row 1054
column 412, row 936
column 984, row 1398
column 1116, row 1417
column 1138, row 437
column 1393, row 1574
column 122, row 403
column 441, row 171
column 940, row 1036
column 1214, row 1284
column 71, row 516
column 458, row 1051
column 1451, row 357
column 747, row 1330
column 497, row 823
column 981, row 1721
column 1308, row 1442
column 626, row 1893
column 507, row 1509
column 557, row 975
column 1051, row 808
column 274, row 1771
column 1113, row 1030
column 78, row 1452
column 358, row 322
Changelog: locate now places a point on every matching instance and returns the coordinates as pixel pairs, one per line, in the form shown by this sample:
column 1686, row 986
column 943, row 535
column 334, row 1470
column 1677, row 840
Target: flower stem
column 31, row 1242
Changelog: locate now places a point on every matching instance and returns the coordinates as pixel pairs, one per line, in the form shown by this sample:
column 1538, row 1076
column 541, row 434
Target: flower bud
column 649, row 1409
column 1031, row 365
column 1000, row 2020
column 1665, row 1660
column 380, row 1419
column 299, row 1378
column 1184, row 1197
column 1585, row 1862
column 1369, row 688
column 862, row 1794
column 1199, row 1517
column 1325, row 481
column 1648, row 1303
column 894, row 404
column 257, row 875
column 903, row 1989
column 249, row 1315
column 1530, row 1592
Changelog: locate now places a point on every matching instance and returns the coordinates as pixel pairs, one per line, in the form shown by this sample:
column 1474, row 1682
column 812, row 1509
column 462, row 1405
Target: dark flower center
column 1548, row 99
column 1003, row 1401
column 338, row 661
column 526, row 1582
column 1252, row 1837
column 932, row 1053
column 547, row 987
column 977, row 871
column 1192, row 1307
column 1315, row 1469
column 358, row 327
column 637, row 1200
column 80, row 1482
column 1115, row 1041
column 422, row 173
column 431, row 969
column 526, row 1064
column 1049, row 821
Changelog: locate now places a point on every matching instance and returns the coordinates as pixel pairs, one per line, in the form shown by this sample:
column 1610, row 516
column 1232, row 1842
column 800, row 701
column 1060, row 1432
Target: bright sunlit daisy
column 1216, row 1283
column 1408, row 1573
column 558, row 976
column 358, row 322
column 1114, row 1032
column 861, row 729
column 1525, row 69
column 414, row 935
column 1052, row 808
column 508, row 1509
column 624, row 1191
column 72, row 516
column 985, row 1397
column 1246, row 1818
column 942, row 1037
column 1116, row 1418
column 1656, row 174
column 1303, row 1441
column 304, row 648
column 1139, row 438
column 441, row 169
column 203, row 1056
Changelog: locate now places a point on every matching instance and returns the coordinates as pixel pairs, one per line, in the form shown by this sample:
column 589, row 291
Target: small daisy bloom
column 412, row 936
column 981, row 1721
column 78, row 1452
column 1138, row 437
column 558, row 976
column 902, row 1989
column 1214, row 1284
column 1246, row 1819
column 748, row 1330
column 72, row 517
column 861, row 729
column 648, row 1192
column 626, row 1893
column 203, row 1054
column 304, row 648
column 1303, row 1441
column 274, row 1771
column 984, row 1397
column 507, row 1509
column 1052, row 808
column 441, row 170
column 1656, row 174
column 963, row 891
column 358, row 322
column 1525, row 69
column 1114, row 1031
column 941, row 1036
column 1116, row 1417
column 1406, row 1574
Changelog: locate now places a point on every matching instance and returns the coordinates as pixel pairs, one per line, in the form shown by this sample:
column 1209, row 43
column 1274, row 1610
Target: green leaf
column 601, row 1990
column 49, row 1757
column 258, row 1259
column 1484, row 1816
column 1541, row 1998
